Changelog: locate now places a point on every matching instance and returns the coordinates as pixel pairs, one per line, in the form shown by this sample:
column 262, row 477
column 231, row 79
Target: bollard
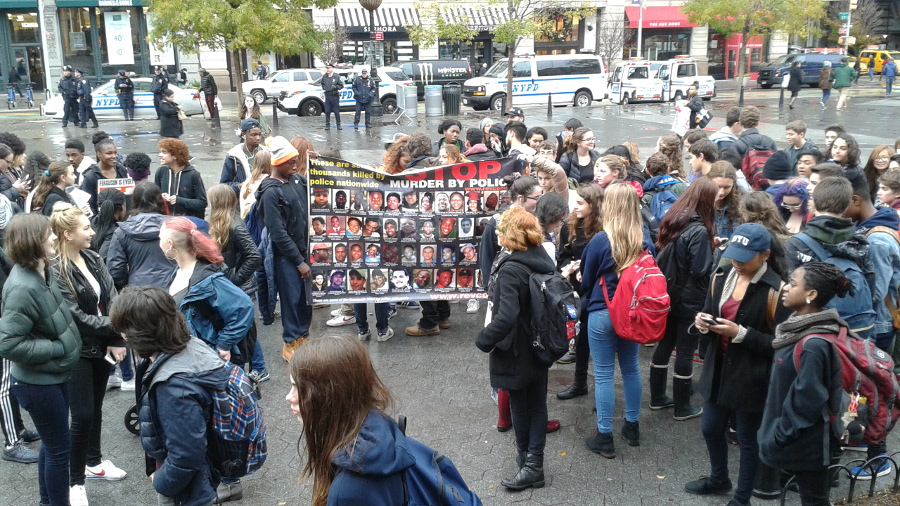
column 781, row 98
column 741, row 98
column 549, row 105
column 503, row 108
column 275, row 112
column 218, row 121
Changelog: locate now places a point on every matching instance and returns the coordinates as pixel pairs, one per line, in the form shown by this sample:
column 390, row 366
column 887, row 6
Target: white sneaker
column 472, row 306
column 106, row 470
column 364, row 336
column 78, row 496
column 113, row 382
column 336, row 312
column 385, row 336
column 128, row 386
column 341, row 320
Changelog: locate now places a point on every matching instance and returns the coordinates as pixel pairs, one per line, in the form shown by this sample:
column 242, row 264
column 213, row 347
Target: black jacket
column 128, row 89
column 55, row 195
column 242, row 257
column 569, row 163
column 739, row 380
column 283, row 208
column 187, row 186
column 509, row 336
column 332, row 85
column 158, row 84
column 751, row 138
column 570, row 252
column 208, row 85
column 6, row 188
column 796, row 80
column 169, row 124
column 364, row 90
column 690, row 261
column 91, row 317
column 68, row 88
column 92, row 175
column 695, row 105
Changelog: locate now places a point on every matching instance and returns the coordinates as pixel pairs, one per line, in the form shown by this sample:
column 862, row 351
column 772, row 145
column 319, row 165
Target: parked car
column 866, row 59
column 810, row 64
column 282, row 80
column 436, row 72
column 575, row 79
column 106, row 101
column 309, row 100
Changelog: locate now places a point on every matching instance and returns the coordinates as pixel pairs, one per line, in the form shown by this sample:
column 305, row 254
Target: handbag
column 181, row 115
column 703, row 118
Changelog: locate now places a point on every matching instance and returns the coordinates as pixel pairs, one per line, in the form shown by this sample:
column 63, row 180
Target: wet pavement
column 441, row 383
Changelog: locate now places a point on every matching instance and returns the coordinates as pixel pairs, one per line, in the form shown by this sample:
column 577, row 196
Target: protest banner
column 122, row 184
column 377, row 237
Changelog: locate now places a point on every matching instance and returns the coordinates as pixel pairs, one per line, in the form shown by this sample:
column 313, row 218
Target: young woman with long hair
column 262, row 168
column 242, row 258
column 757, row 207
column 685, row 254
column 844, row 151
column 508, row 338
column 728, row 199
column 583, row 223
column 877, row 166
column 111, row 204
column 609, row 169
column 52, row 188
column 39, row 337
column 249, row 108
column 88, row 289
column 670, row 145
column 610, row 251
column 580, row 157
column 396, row 158
column 305, row 149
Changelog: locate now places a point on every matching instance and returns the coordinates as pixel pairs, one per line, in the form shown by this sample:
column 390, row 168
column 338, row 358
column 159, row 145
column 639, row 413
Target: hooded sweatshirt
column 187, row 187
column 884, row 252
column 134, row 257
column 836, row 235
column 282, row 206
column 369, row 469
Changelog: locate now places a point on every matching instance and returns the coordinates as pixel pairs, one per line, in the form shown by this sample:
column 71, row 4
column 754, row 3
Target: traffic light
column 853, row 4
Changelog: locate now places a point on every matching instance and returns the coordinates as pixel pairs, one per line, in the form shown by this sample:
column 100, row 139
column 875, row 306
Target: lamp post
column 371, row 5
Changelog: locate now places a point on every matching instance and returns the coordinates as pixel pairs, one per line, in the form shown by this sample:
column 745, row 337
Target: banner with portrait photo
column 377, row 237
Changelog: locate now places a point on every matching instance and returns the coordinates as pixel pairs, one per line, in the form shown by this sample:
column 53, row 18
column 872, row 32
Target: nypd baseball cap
column 748, row 240
column 515, row 111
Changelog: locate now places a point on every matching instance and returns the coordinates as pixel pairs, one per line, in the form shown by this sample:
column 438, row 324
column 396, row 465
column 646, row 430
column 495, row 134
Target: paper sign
column 119, row 184
column 118, row 38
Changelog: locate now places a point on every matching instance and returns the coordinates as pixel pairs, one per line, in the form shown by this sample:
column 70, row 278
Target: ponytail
column 49, row 179
column 109, row 201
column 187, row 236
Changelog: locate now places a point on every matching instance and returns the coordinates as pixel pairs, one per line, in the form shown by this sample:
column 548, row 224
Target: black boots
column 602, row 444
column 658, row 397
column 681, row 390
column 632, row 433
column 531, row 474
column 572, row 391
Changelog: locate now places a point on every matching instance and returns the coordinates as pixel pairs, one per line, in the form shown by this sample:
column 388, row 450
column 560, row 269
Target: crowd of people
column 751, row 239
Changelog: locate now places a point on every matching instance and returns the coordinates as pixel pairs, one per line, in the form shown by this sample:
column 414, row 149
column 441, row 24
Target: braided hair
column 828, row 280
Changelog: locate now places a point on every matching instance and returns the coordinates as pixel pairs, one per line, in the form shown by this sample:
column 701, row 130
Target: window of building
column 562, row 27
column 134, row 45
column 24, row 28
column 77, row 42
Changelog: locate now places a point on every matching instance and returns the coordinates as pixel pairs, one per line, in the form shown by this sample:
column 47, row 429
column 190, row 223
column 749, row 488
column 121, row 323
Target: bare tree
column 611, row 33
column 333, row 45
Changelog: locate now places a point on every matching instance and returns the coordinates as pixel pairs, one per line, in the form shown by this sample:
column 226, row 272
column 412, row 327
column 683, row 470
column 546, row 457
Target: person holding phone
column 741, row 312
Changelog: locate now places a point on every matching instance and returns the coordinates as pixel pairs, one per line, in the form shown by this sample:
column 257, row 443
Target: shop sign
column 115, row 3
column 387, row 28
column 77, row 41
column 118, row 38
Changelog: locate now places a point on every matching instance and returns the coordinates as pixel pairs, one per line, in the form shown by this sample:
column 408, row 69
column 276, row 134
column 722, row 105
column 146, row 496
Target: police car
column 633, row 81
column 571, row 78
column 678, row 74
column 106, row 101
column 309, row 99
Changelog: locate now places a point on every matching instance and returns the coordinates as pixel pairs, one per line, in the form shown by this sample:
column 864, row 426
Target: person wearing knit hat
column 777, row 170
column 496, row 138
column 240, row 159
column 283, row 206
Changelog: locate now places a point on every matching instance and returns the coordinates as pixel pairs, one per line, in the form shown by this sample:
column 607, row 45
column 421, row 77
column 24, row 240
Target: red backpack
column 752, row 167
column 641, row 304
column 869, row 388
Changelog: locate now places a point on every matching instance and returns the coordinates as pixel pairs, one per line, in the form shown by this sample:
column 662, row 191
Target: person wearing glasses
column 878, row 164
column 580, row 157
column 792, row 200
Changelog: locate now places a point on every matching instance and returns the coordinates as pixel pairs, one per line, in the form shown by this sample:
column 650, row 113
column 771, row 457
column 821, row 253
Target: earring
column 175, row 254
column 808, row 301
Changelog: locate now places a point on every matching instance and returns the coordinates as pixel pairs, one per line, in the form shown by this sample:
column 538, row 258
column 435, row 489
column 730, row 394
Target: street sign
column 842, row 30
column 379, row 35
column 844, row 16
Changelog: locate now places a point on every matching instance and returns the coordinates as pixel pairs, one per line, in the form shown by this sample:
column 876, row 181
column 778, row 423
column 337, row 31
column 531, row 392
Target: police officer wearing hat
column 68, row 88
column 85, row 100
column 125, row 89
column 364, row 92
column 159, row 84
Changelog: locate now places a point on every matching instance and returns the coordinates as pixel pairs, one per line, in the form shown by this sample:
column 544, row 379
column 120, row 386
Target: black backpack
column 554, row 311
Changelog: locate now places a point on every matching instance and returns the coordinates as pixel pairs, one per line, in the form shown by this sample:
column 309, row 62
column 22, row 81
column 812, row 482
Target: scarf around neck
column 796, row 327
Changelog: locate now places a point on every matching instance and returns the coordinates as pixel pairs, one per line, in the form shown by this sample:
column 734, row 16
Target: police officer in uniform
column 332, row 84
column 85, row 100
column 68, row 88
column 157, row 86
column 125, row 89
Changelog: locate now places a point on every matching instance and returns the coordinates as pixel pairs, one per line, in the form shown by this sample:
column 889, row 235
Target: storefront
column 483, row 48
column 665, row 32
column 20, row 42
column 391, row 22
column 563, row 35
column 723, row 52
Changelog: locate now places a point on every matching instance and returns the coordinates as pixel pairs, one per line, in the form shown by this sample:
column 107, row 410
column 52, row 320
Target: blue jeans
column 826, row 94
column 605, row 346
column 125, row 366
column 48, row 406
column 257, row 361
column 381, row 317
column 888, row 85
column 714, row 425
column 296, row 314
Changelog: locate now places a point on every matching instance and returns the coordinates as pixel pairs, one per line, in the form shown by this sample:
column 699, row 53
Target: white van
column 633, row 81
column 678, row 74
column 571, row 78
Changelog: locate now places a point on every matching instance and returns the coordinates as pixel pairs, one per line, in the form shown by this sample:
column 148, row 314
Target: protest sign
column 377, row 237
column 119, row 184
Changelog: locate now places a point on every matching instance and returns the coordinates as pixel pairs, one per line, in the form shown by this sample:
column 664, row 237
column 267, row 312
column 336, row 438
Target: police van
column 678, row 74
column 572, row 78
column 634, row 81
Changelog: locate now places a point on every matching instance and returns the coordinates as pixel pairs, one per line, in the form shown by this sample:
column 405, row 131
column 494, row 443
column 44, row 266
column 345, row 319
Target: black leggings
column 677, row 338
column 87, row 388
column 582, row 353
column 529, row 415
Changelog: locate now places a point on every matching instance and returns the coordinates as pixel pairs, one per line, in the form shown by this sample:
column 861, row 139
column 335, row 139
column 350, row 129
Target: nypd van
column 633, row 81
column 678, row 74
column 573, row 79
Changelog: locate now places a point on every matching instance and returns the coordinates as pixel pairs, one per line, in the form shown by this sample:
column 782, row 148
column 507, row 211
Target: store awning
column 482, row 19
column 101, row 3
column 386, row 20
column 19, row 4
column 658, row 17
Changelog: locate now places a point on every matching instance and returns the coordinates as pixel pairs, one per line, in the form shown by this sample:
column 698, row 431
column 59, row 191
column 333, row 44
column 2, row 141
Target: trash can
column 452, row 96
column 411, row 101
column 433, row 105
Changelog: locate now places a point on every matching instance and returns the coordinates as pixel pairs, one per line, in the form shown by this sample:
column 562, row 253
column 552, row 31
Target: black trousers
column 87, row 388
column 157, row 99
column 86, row 110
column 363, row 107
column 434, row 312
column 529, row 415
column 70, row 111
column 333, row 104
column 677, row 338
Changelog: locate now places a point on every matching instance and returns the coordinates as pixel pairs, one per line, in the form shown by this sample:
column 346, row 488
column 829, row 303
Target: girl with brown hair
column 249, row 108
column 52, row 188
column 580, row 157
column 728, row 199
column 670, row 145
column 879, row 161
column 262, row 168
column 305, row 149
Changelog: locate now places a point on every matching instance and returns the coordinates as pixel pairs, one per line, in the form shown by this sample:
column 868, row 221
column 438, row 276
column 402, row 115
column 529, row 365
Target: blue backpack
column 433, row 480
column 661, row 202
column 857, row 310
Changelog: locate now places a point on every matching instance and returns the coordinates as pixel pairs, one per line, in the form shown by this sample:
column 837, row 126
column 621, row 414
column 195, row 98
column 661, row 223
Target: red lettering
column 420, row 176
column 464, row 171
column 488, row 168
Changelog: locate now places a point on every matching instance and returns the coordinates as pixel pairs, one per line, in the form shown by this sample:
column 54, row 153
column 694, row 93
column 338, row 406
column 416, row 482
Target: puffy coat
column 92, row 175
column 187, row 186
column 91, row 317
column 37, row 332
column 739, row 378
column 242, row 258
column 370, row 467
column 509, row 335
column 569, row 162
column 174, row 412
column 134, row 256
column 690, row 259
column 169, row 124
